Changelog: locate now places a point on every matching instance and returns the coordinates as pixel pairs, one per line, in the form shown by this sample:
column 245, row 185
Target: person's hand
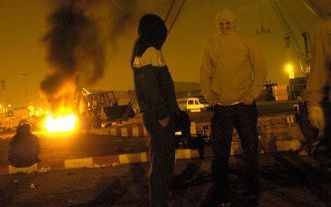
column 248, row 100
column 164, row 122
column 316, row 116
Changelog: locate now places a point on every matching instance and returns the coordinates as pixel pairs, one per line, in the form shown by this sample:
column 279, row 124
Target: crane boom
column 289, row 33
column 315, row 8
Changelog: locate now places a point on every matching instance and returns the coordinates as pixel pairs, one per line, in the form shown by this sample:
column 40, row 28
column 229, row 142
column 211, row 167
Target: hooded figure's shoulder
column 236, row 38
column 328, row 36
column 212, row 42
column 322, row 35
column 213, row 38
column 248, row 40
column 323, row 26
column 151, row 57
column 328, row 26
column 243, row 36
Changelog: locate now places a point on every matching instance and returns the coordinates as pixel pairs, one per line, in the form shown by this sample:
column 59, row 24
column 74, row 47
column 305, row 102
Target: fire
column 63, row 122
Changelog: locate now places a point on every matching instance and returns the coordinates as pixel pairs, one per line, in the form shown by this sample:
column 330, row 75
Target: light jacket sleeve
column 206, row 73
column 319, row 72
column 258, row 69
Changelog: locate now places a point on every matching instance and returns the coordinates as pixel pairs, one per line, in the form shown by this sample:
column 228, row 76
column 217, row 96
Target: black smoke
column 79, row 31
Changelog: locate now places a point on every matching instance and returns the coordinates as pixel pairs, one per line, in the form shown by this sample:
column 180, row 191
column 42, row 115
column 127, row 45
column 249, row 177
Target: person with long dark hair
column 157, row 101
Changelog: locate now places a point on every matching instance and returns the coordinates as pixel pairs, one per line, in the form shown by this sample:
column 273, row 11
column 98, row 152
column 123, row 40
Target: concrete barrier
column 92, row 162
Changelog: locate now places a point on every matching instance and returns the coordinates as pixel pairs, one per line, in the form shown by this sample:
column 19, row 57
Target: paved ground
column 287, row 181
column 81, row 145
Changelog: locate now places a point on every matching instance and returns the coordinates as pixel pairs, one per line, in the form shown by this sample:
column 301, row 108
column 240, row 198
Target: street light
column 290, row 70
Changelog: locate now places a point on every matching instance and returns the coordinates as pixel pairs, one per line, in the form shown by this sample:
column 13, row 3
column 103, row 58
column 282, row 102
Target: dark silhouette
column 157, row 102
column 24, row 147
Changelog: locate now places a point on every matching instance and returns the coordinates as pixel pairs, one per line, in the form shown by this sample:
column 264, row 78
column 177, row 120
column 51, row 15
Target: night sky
column 24, row 24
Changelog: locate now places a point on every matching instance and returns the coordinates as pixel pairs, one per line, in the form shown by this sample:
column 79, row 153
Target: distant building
column 187, row 89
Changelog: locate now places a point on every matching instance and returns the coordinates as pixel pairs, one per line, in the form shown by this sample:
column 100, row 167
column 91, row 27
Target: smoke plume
column 76, row 40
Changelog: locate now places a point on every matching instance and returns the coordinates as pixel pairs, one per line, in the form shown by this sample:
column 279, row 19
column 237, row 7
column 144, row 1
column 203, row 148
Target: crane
column 291, row 39
column 315, row 8
column 262, row 29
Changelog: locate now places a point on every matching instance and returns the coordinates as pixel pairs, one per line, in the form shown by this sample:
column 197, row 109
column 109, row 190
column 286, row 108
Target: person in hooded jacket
column 318, row 91
column 24, row 147
column 157, row 101
column 232, row 75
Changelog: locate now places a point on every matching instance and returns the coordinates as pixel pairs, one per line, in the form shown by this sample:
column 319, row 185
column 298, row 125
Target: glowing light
column 39, row 112
column 31, row 110
column 61, row 123
column 290, row 70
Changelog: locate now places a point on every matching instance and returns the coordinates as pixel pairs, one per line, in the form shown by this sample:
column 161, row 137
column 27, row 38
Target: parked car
column 193, row 104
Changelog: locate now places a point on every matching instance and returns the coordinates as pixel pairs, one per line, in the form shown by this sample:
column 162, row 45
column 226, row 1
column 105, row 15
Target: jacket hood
column 152, row 31
column 225, row 21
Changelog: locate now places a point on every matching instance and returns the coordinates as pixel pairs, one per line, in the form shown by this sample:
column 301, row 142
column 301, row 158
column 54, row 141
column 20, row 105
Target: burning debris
column 78, row 32
column 75, row 52
column 76, row 41
column 76, row 57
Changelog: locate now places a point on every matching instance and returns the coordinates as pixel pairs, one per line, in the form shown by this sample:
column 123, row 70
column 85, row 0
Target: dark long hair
column 152, row 33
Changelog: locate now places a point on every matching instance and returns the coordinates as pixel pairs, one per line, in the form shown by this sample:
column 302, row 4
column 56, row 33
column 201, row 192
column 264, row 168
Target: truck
column 98, row 107
column 193, row 104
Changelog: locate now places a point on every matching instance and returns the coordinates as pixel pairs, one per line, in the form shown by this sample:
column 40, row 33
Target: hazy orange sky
column 23, row 24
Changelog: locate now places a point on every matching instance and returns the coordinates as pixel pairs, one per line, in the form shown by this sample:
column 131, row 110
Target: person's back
column 24, row 148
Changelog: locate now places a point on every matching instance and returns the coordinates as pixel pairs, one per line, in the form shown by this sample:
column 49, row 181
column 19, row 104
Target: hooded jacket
column 154, row 85
column 232, row 66
column 320, row 74
column 24, row 148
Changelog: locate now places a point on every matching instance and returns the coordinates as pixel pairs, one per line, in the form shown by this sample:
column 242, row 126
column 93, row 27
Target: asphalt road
column 84, row 145
column 81, row 145
column 287, row 180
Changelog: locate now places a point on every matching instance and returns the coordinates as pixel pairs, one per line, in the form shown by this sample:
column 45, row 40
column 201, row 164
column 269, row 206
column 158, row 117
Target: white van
column 192, row 104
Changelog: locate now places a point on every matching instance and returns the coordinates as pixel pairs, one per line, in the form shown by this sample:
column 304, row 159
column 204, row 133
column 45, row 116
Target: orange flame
column 63, row 122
